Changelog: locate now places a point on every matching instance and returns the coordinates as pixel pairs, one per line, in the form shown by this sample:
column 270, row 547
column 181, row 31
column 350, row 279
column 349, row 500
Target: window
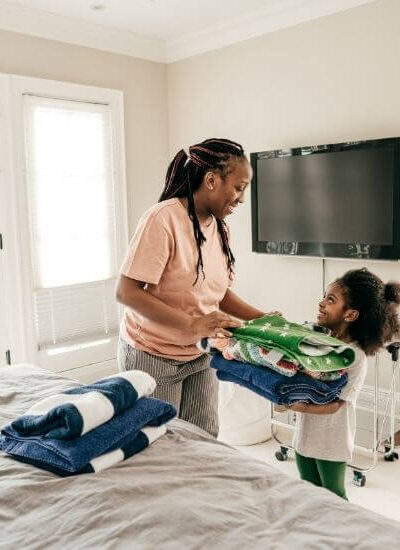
column 70, row 184
column 69, row 191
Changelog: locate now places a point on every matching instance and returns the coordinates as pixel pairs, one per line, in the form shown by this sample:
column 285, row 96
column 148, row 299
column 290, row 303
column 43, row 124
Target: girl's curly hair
column 377, row 303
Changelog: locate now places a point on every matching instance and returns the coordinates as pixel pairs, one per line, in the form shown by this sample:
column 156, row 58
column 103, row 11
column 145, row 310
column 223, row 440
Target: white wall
column 328, row 80
column 144, row 84
column 324, row 81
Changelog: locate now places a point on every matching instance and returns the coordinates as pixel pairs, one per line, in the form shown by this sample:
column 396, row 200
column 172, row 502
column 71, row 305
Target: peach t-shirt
column 163, row 254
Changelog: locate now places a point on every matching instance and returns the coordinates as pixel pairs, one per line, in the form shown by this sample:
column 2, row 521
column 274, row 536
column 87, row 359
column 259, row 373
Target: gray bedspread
column 185, row 491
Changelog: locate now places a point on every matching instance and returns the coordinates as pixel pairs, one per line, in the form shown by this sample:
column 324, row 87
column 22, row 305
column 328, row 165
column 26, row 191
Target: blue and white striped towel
column 118, row 439
column 75, row 412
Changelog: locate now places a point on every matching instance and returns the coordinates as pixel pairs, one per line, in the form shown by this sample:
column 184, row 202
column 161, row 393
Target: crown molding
column 278, row 14
column 42, row 24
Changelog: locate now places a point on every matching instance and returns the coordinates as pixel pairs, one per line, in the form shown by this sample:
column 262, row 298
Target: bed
column 185, row 491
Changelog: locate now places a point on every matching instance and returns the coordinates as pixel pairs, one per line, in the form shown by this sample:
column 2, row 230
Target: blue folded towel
column 76, row 411
column 276, row 387
column 112, row 442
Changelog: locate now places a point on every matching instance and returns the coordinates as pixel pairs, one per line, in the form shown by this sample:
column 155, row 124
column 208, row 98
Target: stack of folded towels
column 89, row 428
column 282, row 361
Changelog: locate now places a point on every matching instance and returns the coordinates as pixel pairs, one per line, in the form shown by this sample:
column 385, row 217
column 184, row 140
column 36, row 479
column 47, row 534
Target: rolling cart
column 382, row 404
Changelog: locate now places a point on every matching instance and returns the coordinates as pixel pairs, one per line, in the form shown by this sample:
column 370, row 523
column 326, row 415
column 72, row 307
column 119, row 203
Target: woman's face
column 228, row 192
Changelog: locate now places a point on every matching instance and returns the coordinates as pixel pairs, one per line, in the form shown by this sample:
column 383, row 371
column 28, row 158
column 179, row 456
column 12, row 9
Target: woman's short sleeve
column 149, row 250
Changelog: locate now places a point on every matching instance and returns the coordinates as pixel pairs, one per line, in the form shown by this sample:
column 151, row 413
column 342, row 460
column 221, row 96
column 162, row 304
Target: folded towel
column 104, row 446
column 313, row 350
column 276, row 387
column 76, row 411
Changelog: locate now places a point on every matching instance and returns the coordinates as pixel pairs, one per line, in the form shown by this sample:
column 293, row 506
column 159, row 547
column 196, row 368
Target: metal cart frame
column 385, row 446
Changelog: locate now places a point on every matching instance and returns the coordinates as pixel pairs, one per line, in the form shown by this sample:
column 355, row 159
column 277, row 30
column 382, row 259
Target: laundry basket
column 245, row 418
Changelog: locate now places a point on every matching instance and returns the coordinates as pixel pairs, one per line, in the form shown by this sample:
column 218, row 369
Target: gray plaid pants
column 191, row 386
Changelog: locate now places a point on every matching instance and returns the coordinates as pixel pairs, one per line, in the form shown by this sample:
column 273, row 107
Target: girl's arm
column 233, row 305
column 310, row 408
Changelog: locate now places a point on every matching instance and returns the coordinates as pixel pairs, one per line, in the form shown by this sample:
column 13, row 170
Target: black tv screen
column 338, row 200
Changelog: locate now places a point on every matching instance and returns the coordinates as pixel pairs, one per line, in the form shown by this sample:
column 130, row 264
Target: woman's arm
column 330, row 408
column 233, row 305
column 132, row 293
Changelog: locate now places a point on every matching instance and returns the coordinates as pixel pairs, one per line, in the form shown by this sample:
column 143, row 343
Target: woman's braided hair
column 185, row 175
column 378, row 321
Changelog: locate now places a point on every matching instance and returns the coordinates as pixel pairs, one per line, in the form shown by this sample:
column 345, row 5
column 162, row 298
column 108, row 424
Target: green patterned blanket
column 313, row 350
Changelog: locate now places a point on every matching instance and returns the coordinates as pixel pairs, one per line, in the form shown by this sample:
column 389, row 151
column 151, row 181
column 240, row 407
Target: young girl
column 358, row 308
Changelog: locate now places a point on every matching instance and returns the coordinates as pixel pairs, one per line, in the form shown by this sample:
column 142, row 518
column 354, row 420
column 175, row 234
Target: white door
column 69, row 189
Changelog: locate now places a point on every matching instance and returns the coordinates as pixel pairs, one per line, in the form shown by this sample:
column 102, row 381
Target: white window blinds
column 71, row 203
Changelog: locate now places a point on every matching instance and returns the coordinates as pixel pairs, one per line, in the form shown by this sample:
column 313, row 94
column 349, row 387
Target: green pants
column 323, row 473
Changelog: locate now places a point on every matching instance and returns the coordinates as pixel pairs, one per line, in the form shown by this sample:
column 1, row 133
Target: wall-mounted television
column 338, row 200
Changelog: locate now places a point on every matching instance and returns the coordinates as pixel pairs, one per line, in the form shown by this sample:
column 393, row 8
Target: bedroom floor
column 381, row 492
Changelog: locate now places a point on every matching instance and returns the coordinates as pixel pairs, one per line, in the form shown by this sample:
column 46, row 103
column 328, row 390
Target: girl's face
column 228, row 192
column 333, row 308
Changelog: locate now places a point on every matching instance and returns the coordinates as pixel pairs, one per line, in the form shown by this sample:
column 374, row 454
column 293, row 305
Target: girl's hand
column 298, row 407
column 312, row 408
column 214, row 324
column 280, row 408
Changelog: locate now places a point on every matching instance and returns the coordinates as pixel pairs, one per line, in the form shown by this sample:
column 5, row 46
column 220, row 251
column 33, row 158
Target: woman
column 175, row 281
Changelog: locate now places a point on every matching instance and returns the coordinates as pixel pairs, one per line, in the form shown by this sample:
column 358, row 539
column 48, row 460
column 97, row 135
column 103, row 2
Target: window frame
column 18, row 87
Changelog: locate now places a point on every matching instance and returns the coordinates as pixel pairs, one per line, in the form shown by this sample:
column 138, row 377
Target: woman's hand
column 214, row 324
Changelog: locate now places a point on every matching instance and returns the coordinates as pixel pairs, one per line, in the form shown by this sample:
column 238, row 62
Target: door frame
column 12, row 319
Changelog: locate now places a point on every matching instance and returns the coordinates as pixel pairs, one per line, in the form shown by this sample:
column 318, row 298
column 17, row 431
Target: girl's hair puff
column 377, row 303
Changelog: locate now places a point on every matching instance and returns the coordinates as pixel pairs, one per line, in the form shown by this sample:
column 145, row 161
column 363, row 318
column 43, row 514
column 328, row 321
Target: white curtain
column 71, row 205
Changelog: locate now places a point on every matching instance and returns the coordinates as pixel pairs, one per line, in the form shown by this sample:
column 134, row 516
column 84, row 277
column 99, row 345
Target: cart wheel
column 392, row 457
column 359, row 478
column 282, row 454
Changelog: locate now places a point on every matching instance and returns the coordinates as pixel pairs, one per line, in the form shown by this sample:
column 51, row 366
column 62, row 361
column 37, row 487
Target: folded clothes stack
column 283, row 361
column 89, row 428
column 285, row 347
